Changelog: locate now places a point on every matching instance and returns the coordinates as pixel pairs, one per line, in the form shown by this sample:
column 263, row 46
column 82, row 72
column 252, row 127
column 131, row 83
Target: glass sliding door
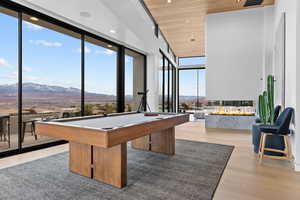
column 50, row 70
column 8, row 79
column 134, row 80
column 51, row 86
column 100, row 77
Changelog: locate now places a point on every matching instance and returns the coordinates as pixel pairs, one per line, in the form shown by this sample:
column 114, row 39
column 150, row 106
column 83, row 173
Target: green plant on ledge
column 266, row 102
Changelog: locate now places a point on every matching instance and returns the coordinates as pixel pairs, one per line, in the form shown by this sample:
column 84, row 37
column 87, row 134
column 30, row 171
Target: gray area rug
column 193, row 173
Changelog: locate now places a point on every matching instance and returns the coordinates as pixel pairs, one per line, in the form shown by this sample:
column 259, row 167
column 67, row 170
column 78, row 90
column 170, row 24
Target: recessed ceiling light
column 85, row 14
column 112, row 31
column 169, row 1
column 34, row 19
column 109, row 46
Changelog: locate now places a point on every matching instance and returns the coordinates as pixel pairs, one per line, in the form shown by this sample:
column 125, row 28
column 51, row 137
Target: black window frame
column 20, row 9
column 168, row 86
column 178, row 83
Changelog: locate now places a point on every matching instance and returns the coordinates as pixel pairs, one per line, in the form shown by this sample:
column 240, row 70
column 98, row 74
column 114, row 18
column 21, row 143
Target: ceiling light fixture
column 112, row 31
column 109, row 46
column 169, row 1
column 34, row 19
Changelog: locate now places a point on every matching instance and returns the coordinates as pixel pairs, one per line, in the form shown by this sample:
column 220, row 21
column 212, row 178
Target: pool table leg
column 110, row 165
column 163, row 141
column 142, row 143
column 80, row 156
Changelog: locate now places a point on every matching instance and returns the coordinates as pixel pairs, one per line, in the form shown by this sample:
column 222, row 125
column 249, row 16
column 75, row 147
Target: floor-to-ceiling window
column 51, row 86
column 50, row 70
column 134, row 80
column 100, row 77
column 8, row 79
column 191, row 84
column 170, row 87
column 192, row 90
column 161, row 84
column 174, row 88
column 167, row 84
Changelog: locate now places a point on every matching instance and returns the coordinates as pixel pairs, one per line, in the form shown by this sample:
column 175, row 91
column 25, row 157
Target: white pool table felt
column 112, row 122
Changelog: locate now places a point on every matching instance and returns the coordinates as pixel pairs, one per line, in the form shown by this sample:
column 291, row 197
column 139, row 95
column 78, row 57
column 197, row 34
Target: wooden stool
column 287, row 148
column 31, row 122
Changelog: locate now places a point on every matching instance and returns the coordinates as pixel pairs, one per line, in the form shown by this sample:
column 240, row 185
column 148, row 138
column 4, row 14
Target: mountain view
column 42, row 90
column 46, row 98
column 41, row 98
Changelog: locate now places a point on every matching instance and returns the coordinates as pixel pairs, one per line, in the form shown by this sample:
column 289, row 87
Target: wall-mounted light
column 109, row 46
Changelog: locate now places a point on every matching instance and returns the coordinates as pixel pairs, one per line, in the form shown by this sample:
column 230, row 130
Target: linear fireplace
column 230, row 114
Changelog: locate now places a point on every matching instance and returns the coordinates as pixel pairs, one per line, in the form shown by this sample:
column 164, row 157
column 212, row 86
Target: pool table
column 98, row 144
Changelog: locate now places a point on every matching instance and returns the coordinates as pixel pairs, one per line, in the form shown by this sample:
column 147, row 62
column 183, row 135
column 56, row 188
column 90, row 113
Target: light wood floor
column 243, row 178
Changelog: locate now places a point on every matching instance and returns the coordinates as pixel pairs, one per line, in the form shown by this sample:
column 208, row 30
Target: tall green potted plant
column 266, row 102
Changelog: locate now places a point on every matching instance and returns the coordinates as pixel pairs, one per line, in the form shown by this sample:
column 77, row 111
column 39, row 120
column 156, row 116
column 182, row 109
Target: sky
column 188, row 78
column 193, row 61
column 53, row 58
column 188, row 82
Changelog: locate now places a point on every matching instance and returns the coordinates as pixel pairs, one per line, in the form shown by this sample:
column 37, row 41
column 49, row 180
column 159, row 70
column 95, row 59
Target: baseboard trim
column 297, row 167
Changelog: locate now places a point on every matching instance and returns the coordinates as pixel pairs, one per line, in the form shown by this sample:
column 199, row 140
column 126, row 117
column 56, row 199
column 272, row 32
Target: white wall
column 297, row 139
column 235, row 49
column 291, row 93
column 268, row 43
column 133, row 26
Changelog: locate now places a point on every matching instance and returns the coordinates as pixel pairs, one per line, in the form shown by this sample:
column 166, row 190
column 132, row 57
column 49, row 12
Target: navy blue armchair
column 272, row 141
column 280, row 128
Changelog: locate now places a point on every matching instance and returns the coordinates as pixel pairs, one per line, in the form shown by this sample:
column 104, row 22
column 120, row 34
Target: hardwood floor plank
column 242, row 179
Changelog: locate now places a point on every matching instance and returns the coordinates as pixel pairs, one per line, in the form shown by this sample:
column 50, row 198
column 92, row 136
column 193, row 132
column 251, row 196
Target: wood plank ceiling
column 183, row 21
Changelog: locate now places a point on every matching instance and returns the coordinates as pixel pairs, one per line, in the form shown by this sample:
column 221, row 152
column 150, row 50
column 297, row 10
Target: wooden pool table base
column 109, row 165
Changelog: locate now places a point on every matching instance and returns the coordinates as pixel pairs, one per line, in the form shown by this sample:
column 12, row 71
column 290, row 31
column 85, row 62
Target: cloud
column 106, row 52
column 27, row 69
column 45, row 43
column 86, row 50
column 13, row 75
column 33, row 26
column 3, row 62
column 27, row 78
